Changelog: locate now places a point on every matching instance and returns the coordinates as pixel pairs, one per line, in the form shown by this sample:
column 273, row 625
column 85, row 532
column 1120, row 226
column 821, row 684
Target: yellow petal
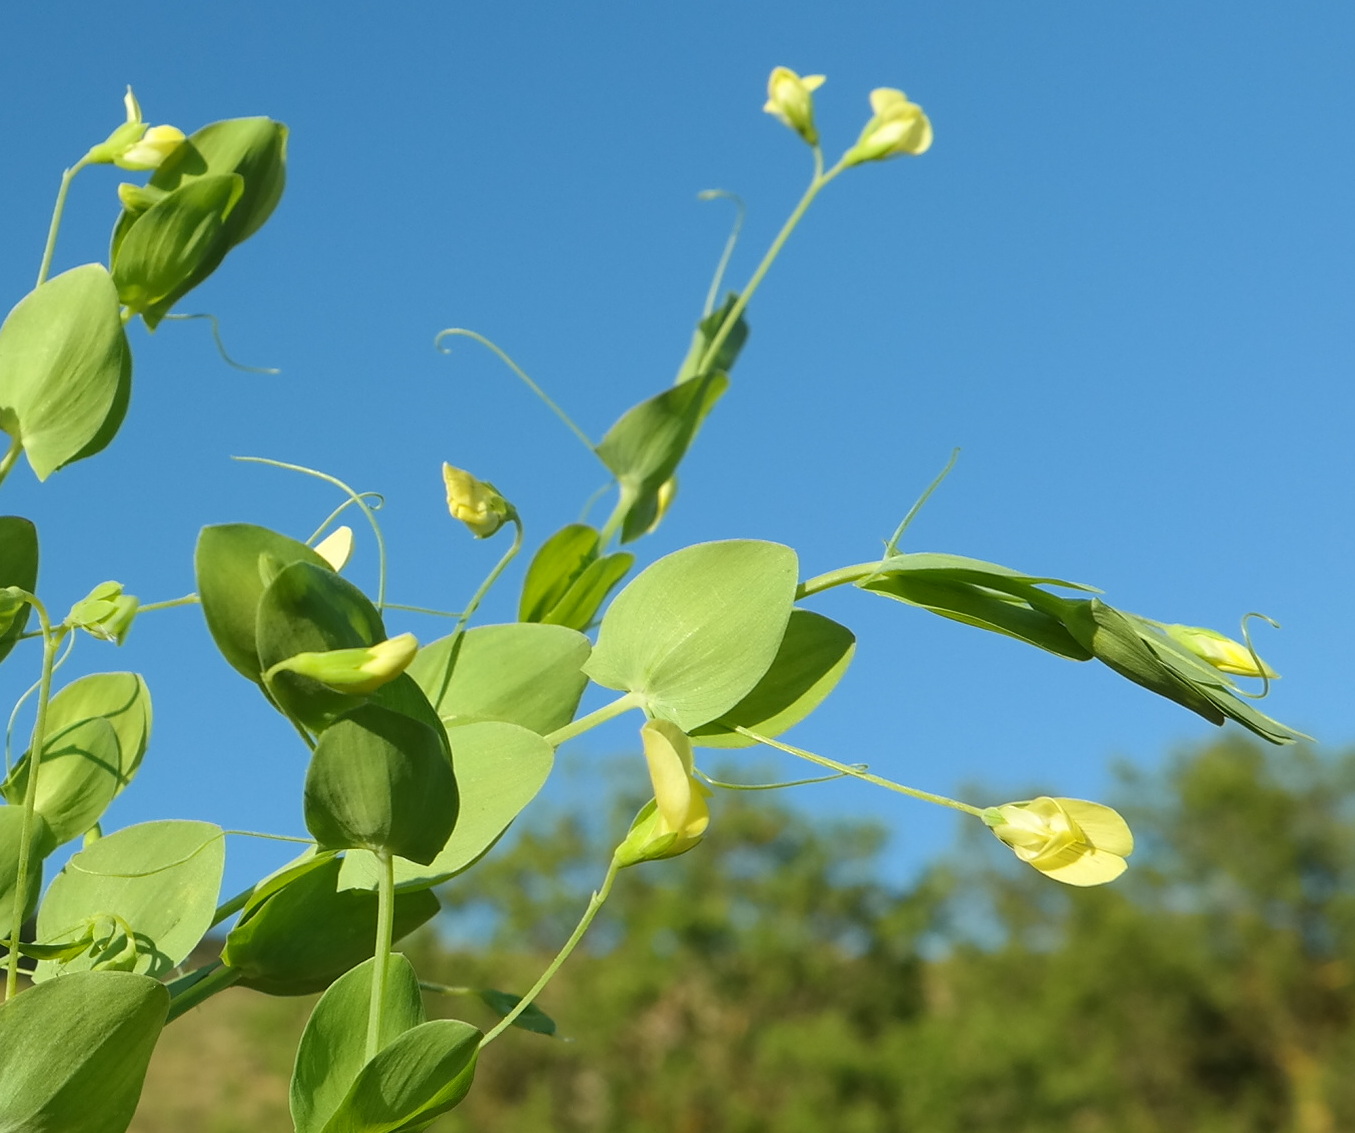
column 337, row 547
column 1102, row 826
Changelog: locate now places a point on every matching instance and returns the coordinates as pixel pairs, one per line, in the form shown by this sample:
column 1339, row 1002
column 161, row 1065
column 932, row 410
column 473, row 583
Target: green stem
column 492, row 577
column 713, row 295
column 843, row 576
column 51, row 639
column 856, row 773
column 186, row 600
column 52, row 229
column 607, row 712
column 521, row 373
column 385, row 927
column 198, row 986
column 726, row 328
column 594, row 904
column 16, row 446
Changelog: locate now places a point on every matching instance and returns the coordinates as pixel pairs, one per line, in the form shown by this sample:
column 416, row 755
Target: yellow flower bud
column 790, row 98
column 899, row 126
column 1070, row 840
column 677, row 818
column 105, row 612
column 337, row 547
column 476, row 503
column 358, row 671
column 1225, row 654
column 155, row 145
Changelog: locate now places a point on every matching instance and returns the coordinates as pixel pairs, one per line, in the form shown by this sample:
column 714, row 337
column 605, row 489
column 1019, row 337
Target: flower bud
column 1070, row 840
column 134, row 146
column 336, row 548
column 355, row 671
column 476, row 503
column 790, row 98
column 677, row 818
column 106, row 613
column 899, row 126
column 1225, row 654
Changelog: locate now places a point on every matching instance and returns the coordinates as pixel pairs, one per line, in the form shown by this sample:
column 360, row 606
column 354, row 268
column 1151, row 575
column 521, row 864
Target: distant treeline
column 773, row 981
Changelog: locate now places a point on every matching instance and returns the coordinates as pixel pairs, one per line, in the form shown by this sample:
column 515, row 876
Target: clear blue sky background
column 1121, row 281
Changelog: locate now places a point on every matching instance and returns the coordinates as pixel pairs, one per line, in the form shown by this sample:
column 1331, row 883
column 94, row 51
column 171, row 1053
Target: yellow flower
column 899, row 126
column 790, row 98
column 1071, row 840
column 134, row 146
column 337, row 547
column 1225, row 654
column 358, row 671
column 476, row 503
column 677, row 818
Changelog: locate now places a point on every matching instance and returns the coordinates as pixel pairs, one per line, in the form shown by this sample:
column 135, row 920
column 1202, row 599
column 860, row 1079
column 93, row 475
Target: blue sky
column 1120, row 282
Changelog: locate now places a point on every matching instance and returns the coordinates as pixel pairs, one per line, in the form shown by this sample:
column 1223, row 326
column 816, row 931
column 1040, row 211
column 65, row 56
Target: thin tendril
column 378, row 502
column 778, row 786
column 271, row 837
column 740, row 215
column 354, row 497
column 13, row 716
column 1255, row 658
column 221, row 346
column 891, row 548
column 518, row 370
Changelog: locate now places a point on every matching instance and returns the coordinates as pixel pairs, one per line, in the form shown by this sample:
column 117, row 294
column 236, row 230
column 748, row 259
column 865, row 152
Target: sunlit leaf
column 18, row 567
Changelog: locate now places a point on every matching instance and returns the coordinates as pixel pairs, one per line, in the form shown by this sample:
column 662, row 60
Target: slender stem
column 521, row 373
column 186, row 600
column 52, row 229
column 233, row 906
column 624, row 500
column 856, row 773
column 199, row 986
column 726, row 328
column 492, row 577
column 593, row 719
column 51, row 639
column 385, row 924
column 594, row 904
column 892, row 547
column 423, row 610
column 16, row 446
column 741, row 212
column 843, row 576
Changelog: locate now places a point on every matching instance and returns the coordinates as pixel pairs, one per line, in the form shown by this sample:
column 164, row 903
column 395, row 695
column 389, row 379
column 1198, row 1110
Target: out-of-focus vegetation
column 773, row 980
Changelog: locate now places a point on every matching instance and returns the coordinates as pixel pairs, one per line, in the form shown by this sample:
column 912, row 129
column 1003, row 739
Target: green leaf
column 584, row 599
column 308, row 608
column 74, row 1052
column 11, row 826
column 309, row 932
column 161, row 878
column 520, row 673
column 65, row 369
column 705, row 333
column 695, row 632
column 813, row 656
column 532, row 1018
column 18, row 567
column 170, row 246
column 231, row 580
column 424, row 1072
column 97, row 731
column 499, row 769
column 381, row 781
column 333, row 1045
column 561, row 559
column 250, row 149
column 644, row 448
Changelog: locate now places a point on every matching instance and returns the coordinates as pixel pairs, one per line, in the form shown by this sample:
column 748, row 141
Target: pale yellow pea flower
column 476, row 503
column 677, row 818
column 1225, row 654
column 1071, row 840
column 336, row 548
column 899, row 127
column 790, row 98
column 357, row 671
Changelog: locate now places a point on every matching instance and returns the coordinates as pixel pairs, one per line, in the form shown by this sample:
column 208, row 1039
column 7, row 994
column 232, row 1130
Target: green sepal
column 308, row 933
column 381, row 781
column 74, row 1052
column 18, row 568
column 231, row 562
column 65, row 369
column 644, row 448
column 812, row 658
